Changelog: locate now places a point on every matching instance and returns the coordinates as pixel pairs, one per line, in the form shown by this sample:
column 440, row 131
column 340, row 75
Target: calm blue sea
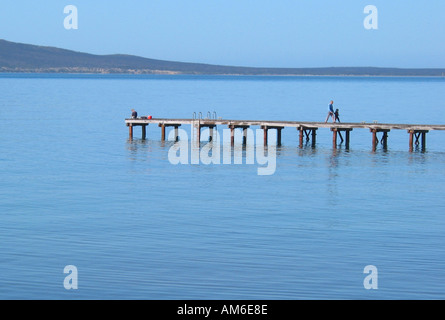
column 75, row 191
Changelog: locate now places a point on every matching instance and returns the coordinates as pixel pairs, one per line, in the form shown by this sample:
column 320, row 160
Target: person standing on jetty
column 331, row 112
column 134, row 114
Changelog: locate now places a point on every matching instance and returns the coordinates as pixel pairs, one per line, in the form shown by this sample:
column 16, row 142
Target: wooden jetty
column 307, row 130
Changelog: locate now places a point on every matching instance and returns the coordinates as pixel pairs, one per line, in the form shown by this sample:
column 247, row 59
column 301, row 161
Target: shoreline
column 2, row 73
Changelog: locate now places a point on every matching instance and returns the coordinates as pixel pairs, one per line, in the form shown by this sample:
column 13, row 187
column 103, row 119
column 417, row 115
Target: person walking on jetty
column 331, row 112
column 337, row 115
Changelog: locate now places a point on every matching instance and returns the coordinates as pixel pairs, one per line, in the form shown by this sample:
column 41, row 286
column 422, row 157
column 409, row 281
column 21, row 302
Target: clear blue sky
column 265, row 33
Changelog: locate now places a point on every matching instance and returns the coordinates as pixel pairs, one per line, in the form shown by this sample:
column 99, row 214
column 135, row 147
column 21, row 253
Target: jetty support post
column 211, row 131
column 265, row 130
column 334, row 137
column 385, row 140
column 347, row 132
column 198, row 133
column 302, row 130
column 279, row 136
column 339, row 134
column 162, row 131
column 245, row 135
column 417, row 134
column 232, row 132
column 411, row 139
column 130, row 131
column 144, row 131
column 348, row 136
column 424, row 140
column 165, row 125
column 375, row 139
column 176, row 133
column 310, row 133
column 338, row 131
column 210, row 134
column 232, row 135
column 314, row 136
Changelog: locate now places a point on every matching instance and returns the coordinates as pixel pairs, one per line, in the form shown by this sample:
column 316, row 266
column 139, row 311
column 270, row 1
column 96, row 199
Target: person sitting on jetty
column 134, row 114
column 331, row 112
column 337, row 115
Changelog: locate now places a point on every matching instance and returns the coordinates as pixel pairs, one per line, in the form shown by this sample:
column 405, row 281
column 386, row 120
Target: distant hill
column 18, row 57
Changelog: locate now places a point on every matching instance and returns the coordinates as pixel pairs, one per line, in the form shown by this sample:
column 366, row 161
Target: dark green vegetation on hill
column 18, row 57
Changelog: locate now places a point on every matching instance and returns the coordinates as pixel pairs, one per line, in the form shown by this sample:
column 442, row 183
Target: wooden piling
column 385, row 140
column 314, row 136
column 310, row 133
column 340, row 135
column 347, row 137
column 130, row 132
column 176, row 133
column 265, row 135
column 210, row 134
column 279, row 136
column 198, row 133
column 417, row 132
column 232, row 128
column 162, row 132
column 411, row 139
column 163, row 126
column 144, row 132
column 374, row 139
column 301, row 136
column 334, row 137
column 278, row 128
